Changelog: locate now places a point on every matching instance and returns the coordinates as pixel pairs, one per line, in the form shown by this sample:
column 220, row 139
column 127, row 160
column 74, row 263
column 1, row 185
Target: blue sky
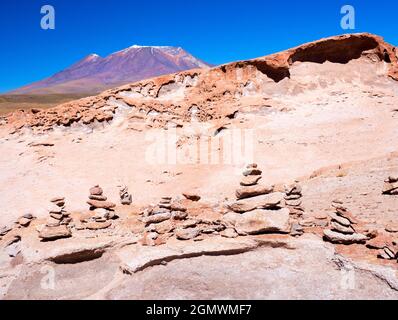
column 217, row 31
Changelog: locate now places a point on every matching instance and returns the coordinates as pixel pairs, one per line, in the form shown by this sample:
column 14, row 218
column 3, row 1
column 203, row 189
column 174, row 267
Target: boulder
column 263, row 221
column 339, row 238
column 268, row 201
column 101, row 204
column 253, row 191
column 250, row 181
column 55, row 233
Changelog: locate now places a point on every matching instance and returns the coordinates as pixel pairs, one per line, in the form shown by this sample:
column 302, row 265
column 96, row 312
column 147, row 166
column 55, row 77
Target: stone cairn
column 293, row 199
column 345, row 229
column 257, row 209
column 57, row 225
column 103, row 210
column 391, row 186
column 126, row 199
column 170, row 218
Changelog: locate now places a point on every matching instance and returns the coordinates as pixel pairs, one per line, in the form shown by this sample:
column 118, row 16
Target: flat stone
column 252, row 172
column 175, row 206
column 187, row 234
column 28, row 216
column 55, row 233
column 96, row 191
column 250, row 181
column 339, row 238
column 293, row 189
column 101, row 204
column 392, row 179
column 293, row 197
column 392, row 228
column 294, row 203
column 52, row 222
column 57, row 216
column 98, row 198
column 157, row 218
column 98, row 225
column 163, row 227
column 268, row 201
column 179, row 215
column 24, row 222
column 191, row 196
column 252, row 165
column 57, row 200
column 263, row 221
column 379, row 242
column 296, row 230
column 390, row 188
column 229, row 233
column 53, row 208
column 342, row 229
column 253, row 191
column 341, row 220
column 4, row 230
column 343, row 212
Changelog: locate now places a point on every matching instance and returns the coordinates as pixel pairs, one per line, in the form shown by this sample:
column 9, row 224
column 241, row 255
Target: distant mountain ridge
column 94, row 73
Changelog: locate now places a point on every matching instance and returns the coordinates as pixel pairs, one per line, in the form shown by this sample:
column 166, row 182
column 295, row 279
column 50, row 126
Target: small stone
column 250, row 181
column 57, row 216
column 294, row 189
column 98, row 198
column 342, row 229
column 268, row 201
column 163, row 227
column 190, row 224
column 340, row 238
column 53, row 208
column 57, row 200
column 98, row 225
column 101, row 204
column 341, row 220
column 229, row 233
column 175, row 206
column 392, row 228
column 321, row 216
column 96, row 191
column 390, row 188
column 55, row 233
column 253, row 191
column 252, row 172
column 24, row 222
column 293, row 203
column 252, row 165
column 28, row 216
column 191, row 196
column 179, row 215
column 148, row 239
column 343, row 212
column 4, row 230
column 157, row 218
column 187, row 234
column 307, row 223
column 52, row 222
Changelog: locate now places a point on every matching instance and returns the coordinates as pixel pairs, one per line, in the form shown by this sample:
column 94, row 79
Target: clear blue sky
column 217, row 31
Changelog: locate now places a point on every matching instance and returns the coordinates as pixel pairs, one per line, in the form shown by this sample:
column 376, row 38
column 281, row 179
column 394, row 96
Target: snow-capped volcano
column 94, row 73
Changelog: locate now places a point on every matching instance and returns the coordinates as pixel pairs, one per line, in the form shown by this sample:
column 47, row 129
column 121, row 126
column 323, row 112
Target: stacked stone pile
column 345, row 229
column 57, row 225
column 258, row 208
column 293, row 199
column 125, row 198
column 103, row 211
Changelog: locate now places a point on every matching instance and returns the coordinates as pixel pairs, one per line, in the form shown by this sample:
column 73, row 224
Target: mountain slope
column 94, row 73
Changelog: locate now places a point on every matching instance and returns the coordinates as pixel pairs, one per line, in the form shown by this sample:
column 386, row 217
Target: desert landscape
column 271, row 178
